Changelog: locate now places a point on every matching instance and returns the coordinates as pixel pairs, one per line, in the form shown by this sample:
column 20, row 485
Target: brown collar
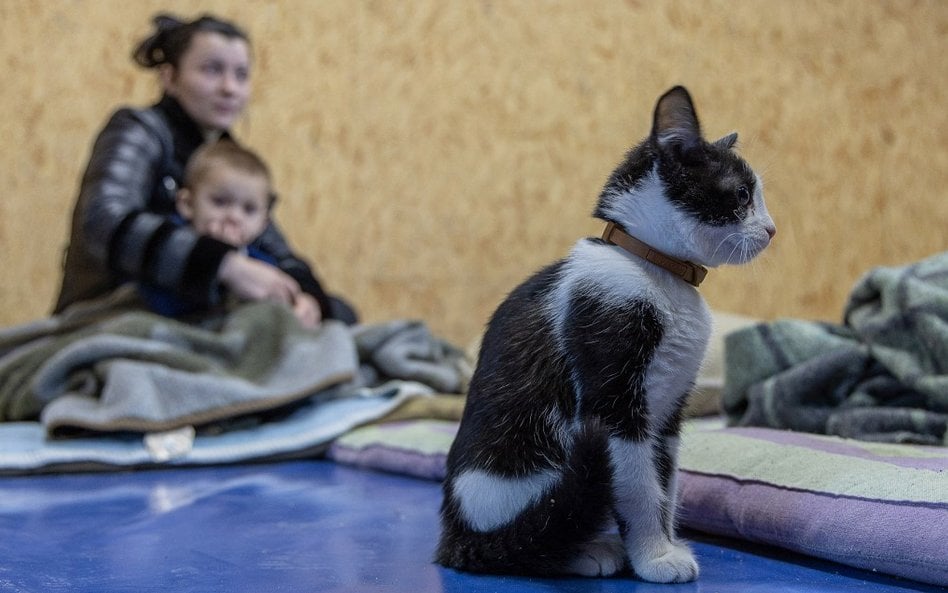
column 691, row 273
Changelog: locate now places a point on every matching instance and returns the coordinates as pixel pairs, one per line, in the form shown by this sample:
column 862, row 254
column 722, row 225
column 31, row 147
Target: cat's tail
column 545, row 538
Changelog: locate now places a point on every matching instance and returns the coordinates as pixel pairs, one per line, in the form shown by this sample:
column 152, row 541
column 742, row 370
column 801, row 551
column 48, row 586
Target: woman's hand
column 307, row 310
column 254, row 280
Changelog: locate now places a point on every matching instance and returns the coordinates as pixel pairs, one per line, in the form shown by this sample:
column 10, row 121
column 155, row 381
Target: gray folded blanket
column 117, row 370
column 881, row 375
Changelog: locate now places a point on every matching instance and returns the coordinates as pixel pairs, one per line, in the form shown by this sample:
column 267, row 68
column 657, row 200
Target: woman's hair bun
column 165, row 22
column 152, row 51
column 172, row 36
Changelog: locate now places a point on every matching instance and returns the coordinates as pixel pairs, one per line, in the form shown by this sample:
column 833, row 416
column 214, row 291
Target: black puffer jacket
column 120, row 227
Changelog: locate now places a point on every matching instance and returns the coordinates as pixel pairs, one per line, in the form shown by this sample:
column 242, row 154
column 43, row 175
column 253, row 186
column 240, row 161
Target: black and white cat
column 571, row 423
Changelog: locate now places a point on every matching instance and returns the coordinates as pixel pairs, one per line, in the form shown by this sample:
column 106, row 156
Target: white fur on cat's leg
column 671, row 447
column 639, row 502
column 602, row 557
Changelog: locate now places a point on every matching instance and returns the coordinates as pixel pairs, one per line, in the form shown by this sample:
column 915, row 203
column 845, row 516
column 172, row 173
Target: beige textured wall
column 432, row 154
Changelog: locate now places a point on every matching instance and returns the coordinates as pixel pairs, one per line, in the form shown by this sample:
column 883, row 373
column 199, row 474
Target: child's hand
column 307, row 310
column 226, row 231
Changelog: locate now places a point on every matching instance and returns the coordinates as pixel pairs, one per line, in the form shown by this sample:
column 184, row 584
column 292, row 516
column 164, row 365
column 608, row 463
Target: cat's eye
column 743, row 196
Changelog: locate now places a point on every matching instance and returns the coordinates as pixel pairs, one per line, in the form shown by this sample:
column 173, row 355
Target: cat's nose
column 771, row 230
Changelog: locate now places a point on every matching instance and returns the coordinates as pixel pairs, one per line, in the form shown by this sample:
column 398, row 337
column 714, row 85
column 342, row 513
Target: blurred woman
column 120, row 228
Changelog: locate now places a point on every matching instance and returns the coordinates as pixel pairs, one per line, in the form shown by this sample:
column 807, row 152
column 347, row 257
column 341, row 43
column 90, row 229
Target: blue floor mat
column 307, row 526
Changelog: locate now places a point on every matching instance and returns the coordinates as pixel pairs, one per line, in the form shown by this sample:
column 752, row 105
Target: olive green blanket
column 112, row 368
column 140, row 372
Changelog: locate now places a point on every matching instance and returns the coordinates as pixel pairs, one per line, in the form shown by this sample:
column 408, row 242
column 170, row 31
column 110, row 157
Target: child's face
column 228, row 204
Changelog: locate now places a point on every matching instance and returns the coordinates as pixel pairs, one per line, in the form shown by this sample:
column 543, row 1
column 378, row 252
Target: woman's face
column 212, row 80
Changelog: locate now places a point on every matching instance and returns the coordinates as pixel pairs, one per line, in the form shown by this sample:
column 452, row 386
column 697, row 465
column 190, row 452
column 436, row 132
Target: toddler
column 226, row 195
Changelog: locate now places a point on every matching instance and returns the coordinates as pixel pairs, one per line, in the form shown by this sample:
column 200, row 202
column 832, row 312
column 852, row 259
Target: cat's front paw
column 602, row 557
column 673, row 563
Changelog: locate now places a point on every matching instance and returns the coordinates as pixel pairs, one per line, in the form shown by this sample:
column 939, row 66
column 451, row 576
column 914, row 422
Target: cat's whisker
column 730, row 255
column 745, row 249
column 722, row 243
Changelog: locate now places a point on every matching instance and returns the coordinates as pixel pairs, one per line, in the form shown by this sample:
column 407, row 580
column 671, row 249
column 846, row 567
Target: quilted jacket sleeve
column 117, row 226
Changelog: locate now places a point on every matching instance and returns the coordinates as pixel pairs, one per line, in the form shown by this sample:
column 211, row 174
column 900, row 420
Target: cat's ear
column 728, row 142
column 675, row 124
